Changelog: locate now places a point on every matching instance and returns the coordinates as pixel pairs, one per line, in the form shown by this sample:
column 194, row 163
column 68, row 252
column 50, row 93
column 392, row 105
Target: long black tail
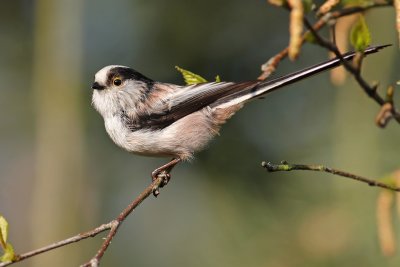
column 271, row 85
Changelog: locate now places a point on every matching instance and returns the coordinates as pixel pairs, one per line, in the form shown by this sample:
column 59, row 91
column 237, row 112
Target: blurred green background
column 60, row 174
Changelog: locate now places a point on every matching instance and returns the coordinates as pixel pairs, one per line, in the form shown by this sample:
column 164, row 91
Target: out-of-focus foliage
column 8, row 254
column 3, row 231
column 360, row 36
column 8, row 250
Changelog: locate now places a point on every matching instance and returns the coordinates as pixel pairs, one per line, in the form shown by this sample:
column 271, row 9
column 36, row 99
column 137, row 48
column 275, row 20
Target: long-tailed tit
column 152, row 118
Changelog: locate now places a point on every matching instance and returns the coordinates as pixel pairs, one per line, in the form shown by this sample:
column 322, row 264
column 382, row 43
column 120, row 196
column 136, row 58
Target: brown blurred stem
column 284, row 166
column 111, row 226
column 270, row 66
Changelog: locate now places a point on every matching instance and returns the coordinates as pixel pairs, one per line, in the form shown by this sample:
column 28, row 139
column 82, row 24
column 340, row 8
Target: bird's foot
column 166, row 176
column 165, row 173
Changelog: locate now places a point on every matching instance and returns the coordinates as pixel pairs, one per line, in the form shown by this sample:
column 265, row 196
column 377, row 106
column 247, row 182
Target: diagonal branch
column 284, row 166
column 355, row 70
column 111, row 226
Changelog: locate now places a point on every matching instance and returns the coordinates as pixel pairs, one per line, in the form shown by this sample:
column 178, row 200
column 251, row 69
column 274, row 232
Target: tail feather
column 265, row 87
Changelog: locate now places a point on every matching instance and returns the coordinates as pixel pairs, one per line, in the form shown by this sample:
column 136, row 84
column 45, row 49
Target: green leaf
column 9, row 254
column 360, row 36
column 190, row 77
column 217, row 79
column 3, row 231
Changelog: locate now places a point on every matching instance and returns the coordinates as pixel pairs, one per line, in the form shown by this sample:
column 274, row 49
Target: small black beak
column 97, row 86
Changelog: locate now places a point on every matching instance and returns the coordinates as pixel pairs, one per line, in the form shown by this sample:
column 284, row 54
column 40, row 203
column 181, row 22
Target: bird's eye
column 117, row 82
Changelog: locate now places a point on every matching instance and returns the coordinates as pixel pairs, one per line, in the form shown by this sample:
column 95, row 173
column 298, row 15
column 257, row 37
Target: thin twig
column 76, row 238
column 270, row 66
column 94, row 262
column 112, row 227
column 284, row 166
column 371, row 91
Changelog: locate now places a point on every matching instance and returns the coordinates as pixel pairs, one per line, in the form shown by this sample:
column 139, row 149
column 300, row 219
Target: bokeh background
column 60, row 174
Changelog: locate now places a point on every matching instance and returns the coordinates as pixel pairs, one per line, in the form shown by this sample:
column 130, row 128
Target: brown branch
column 284, row 166
column 111, row 226
column 354, row 69
column 270, row 66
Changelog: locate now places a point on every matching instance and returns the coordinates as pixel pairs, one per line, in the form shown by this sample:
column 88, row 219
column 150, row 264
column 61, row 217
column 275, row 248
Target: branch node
column 389, row 94
column 385, row 114
column 374, row 86
column 284, row 166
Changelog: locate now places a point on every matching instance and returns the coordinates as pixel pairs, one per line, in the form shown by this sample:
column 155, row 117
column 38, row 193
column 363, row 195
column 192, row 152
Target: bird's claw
column 163, row 172
column 166, row 176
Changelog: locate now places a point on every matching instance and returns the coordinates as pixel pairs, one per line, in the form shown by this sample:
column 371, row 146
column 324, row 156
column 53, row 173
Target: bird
column 158, row 119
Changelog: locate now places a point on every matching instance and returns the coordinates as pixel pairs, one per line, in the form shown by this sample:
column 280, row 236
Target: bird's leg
column 165, row 171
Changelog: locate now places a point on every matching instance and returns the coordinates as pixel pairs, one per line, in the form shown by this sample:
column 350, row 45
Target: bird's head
column 118, row 87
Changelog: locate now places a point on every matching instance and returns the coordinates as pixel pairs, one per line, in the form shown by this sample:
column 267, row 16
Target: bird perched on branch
column 159, row 119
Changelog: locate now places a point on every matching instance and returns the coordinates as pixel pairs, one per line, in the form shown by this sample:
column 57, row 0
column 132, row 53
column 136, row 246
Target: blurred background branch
column 269, row 67
column 60, row 157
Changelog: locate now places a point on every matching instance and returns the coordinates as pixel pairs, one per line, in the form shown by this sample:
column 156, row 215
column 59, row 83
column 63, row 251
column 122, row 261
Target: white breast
column 117, row 131
column 180, row 139
column 142, row 142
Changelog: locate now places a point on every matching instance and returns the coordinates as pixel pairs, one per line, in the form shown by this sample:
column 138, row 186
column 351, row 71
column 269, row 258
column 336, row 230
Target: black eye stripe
column 125, row 73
